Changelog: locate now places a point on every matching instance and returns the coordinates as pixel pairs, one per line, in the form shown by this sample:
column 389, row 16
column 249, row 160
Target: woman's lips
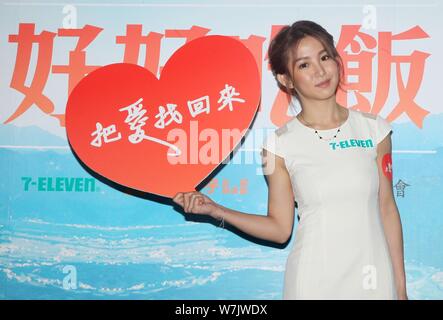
column 324, row 84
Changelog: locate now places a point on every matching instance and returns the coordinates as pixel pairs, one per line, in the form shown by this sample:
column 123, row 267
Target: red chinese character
column 385, row 58
column 34, row 93
column 407, row 93
column 348, row 43
column 77, row 68
column 132, row 42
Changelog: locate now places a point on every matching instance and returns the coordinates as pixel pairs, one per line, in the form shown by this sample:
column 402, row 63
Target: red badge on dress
column 387, row 165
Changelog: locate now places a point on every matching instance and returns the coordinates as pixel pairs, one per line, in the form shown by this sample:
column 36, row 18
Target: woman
column 336, row 164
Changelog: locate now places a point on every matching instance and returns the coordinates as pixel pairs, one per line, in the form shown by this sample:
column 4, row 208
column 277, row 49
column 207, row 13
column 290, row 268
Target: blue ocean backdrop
column 117, row 245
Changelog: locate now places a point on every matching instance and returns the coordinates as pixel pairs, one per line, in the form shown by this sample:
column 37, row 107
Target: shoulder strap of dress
column 279, row 131
column 369, row 115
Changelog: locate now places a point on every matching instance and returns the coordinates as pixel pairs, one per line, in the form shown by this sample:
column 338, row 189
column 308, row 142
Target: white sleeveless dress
column 340, row 250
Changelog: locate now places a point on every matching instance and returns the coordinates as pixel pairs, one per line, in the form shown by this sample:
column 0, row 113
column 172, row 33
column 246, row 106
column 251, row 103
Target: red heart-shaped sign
column 165, row 135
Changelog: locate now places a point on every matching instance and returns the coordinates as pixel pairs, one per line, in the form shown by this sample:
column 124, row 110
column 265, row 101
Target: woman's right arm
column 276, row 226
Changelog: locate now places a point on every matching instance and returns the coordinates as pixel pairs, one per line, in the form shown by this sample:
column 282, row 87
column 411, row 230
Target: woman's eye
column 303, row 65
column 325, row 57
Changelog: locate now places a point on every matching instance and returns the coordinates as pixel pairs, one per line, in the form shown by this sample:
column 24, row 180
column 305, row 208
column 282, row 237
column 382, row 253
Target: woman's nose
column 320, row 70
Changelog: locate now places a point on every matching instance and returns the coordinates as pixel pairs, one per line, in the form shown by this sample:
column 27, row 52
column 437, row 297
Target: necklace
column 322, row 138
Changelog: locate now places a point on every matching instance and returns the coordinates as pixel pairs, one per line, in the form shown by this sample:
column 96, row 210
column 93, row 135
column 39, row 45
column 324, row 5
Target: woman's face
column 315, row 74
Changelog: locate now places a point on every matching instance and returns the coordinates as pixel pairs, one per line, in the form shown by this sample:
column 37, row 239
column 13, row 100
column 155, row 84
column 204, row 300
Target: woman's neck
column 323, row 114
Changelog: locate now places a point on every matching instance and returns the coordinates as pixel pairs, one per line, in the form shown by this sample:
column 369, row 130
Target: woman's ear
column 284, row 81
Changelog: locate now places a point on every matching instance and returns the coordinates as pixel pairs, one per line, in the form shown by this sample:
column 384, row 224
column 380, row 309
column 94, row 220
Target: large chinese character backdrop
column 65, row 232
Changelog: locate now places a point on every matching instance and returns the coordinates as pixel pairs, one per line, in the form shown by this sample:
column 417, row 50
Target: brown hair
column 289, row 37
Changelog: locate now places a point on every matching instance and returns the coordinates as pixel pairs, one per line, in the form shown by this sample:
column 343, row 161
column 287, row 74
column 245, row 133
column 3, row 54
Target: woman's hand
column 196, row 202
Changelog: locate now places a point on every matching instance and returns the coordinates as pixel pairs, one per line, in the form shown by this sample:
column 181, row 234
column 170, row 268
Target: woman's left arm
column 390, row 215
